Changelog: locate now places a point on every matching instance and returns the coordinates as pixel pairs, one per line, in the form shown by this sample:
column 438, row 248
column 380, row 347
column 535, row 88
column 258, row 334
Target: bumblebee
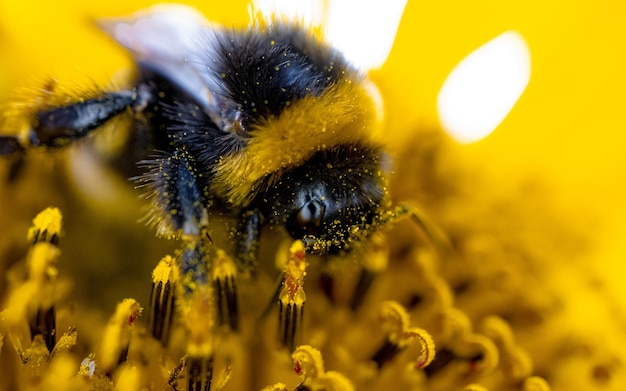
column 268, row 125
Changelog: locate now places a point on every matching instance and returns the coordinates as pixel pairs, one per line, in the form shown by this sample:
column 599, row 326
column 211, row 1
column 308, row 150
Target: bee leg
column 177, row 190
column 61, row 125
column 178, row 193
column 247, row 236
column 438, row 238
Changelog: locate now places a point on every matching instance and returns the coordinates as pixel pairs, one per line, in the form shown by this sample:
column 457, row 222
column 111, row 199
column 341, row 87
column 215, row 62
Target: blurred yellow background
column 568, row 128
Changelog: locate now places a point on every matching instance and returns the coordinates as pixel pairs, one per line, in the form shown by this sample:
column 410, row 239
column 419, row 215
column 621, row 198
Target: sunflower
column 511, row 280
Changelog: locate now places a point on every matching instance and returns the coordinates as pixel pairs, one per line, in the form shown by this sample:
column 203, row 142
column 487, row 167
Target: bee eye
column 307, row 220
column 311, row 214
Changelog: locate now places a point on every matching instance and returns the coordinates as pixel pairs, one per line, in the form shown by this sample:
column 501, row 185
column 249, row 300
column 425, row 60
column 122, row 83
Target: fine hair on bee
column 267, row 125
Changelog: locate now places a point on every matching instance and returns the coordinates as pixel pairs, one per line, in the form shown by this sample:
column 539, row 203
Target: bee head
column 331, row 200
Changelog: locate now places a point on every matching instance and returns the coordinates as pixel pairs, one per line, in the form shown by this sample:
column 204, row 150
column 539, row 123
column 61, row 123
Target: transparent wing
column 164, row 38
column 364, row 30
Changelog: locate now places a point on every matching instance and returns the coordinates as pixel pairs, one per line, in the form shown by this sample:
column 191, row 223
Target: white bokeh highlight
column 363, row 30
column 483, row 88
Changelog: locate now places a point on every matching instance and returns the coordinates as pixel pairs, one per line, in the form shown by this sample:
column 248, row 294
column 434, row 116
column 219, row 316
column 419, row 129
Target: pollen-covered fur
column 266, row 125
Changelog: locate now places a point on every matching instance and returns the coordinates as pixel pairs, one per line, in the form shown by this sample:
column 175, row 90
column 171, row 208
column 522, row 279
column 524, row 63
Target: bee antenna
column 438, row 238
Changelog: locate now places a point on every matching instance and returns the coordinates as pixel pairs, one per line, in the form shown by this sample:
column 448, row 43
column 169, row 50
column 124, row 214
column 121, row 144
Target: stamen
column 276, row 387
column 175, row 374
column 443, row 358
column 309, row 365
column 385, row 353
column 128, row 378
column 35, row 355
column 31, row 305
column 291, row 298
column 478, row 352
column 327, row 285
column 44, row 324
column 395, row 320
column 514, row 361
column 46, row 227
column 198, row 312
column 374, row 262
column 436, row 290
column 44, row 235
column 475, row 387
column 225, row 285
column 66, row 342
column 117, row 335
column 200, row 373
column 199, row 322
column 484, row 360
column 536, row 383
column 162, row 299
